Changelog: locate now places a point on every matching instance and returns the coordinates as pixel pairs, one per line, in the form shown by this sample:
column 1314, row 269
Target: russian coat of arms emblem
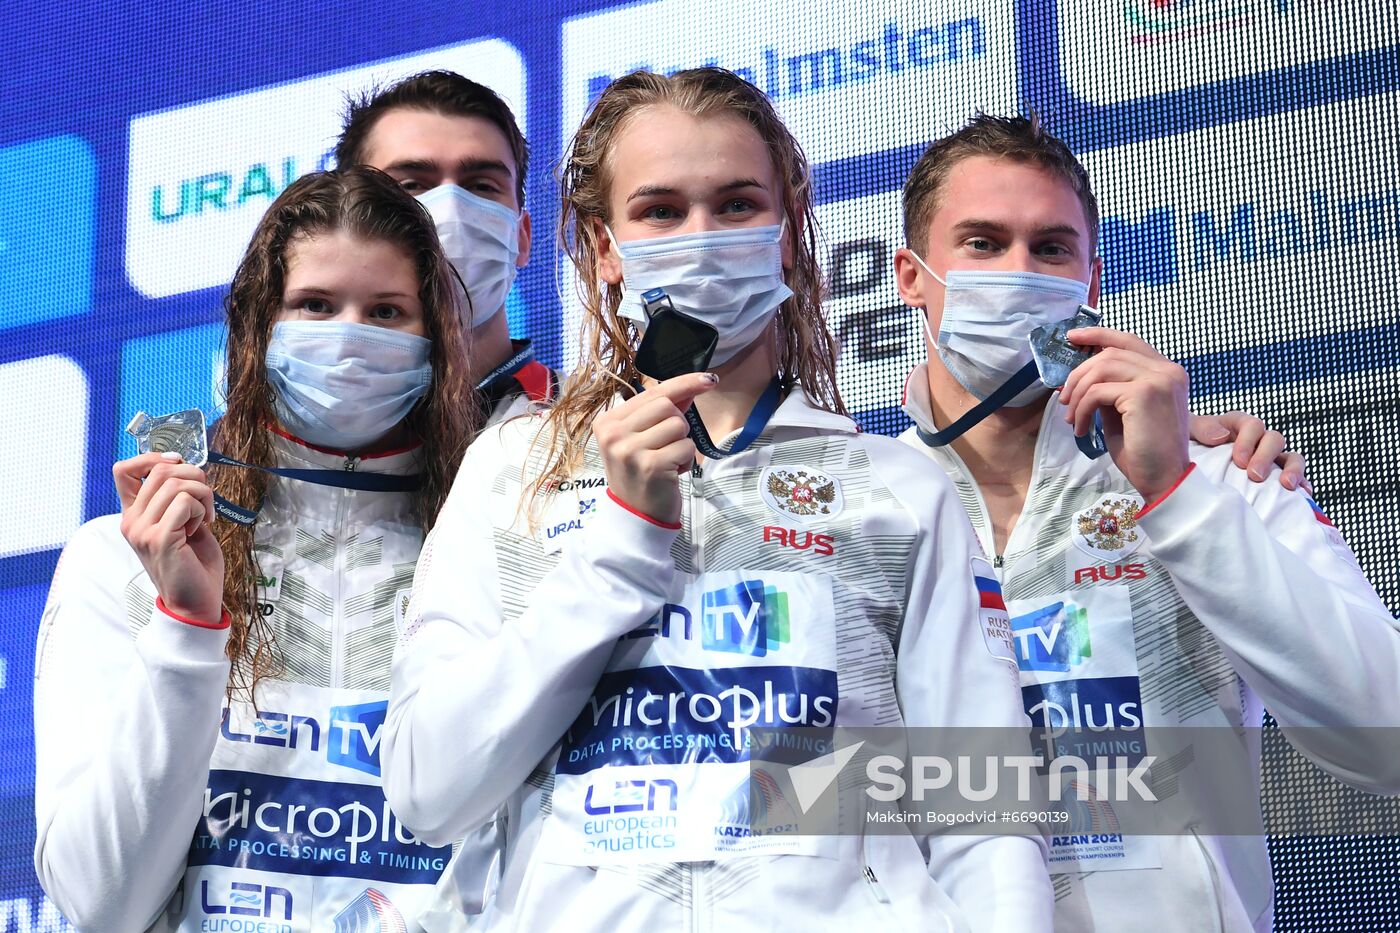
column 1110, row 528
column 801, row 492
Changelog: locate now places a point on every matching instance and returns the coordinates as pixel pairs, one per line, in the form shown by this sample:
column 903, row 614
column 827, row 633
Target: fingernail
column 171, row 456
column 1219, row 434
column 1290, row 483
column 711, row 378
column 1255, row 474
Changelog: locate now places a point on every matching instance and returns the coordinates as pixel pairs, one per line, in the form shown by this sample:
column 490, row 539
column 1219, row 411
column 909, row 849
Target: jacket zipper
column 697, row 892
column 337, row 615
column 1211, row 877
column 875, row 886
column 695, row 503
column 982, row 521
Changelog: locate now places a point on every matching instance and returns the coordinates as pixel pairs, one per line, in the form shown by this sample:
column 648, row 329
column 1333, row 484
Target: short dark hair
column 1019, row 138
column 444, row 92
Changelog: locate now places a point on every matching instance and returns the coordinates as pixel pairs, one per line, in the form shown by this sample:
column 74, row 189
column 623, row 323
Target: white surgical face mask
column 343, row 385
column 730, row 279
column 988, row 316
column 481, row 240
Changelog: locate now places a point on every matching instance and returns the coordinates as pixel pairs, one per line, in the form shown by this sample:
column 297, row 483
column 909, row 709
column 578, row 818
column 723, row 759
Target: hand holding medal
column 167, row 513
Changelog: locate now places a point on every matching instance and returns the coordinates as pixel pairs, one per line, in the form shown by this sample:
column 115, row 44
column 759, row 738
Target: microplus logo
column 676, row 715
column 262, row 822
column 1052, row 638
column 889, row 51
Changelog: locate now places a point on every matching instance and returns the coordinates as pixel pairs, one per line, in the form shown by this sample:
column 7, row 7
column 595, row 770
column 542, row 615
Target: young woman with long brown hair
column 208, row 692
column 601, row 615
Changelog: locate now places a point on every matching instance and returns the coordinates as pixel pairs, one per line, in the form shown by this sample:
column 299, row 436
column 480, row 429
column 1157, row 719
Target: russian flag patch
column 995, row 622
column 989, row 593
column 1318, row 513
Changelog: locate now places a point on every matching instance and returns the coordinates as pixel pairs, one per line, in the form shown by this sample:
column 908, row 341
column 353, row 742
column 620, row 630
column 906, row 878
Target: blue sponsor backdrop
column 1229, row 285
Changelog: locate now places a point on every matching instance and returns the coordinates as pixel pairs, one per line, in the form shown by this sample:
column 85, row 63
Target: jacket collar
column 292, row 451
column 1055, row 448
column 797, row 411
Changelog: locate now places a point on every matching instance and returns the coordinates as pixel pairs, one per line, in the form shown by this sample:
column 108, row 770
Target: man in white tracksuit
column 1158, row 580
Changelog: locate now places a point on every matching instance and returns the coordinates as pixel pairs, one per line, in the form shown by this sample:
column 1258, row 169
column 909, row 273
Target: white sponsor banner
column 44, row 423
column 1117, row 50
column 848, row 77
column 1255, row 232
column 655, row 767
column 200, row 177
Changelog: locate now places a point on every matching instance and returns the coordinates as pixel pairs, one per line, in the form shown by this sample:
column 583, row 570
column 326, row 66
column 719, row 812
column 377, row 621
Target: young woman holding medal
column 601, row 614
column 208, row 693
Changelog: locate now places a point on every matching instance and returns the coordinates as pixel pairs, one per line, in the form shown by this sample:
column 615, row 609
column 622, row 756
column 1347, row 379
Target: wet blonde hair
column 806, row 349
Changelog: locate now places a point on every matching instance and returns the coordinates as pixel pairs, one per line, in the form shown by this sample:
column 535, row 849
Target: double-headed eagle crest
column 1111, row 525
column 802, row 493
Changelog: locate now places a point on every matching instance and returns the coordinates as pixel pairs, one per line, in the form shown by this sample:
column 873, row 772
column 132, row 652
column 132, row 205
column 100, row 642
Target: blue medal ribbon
column 344, row 479
column 757, row 420
column 504, row 374
column 1092, row 445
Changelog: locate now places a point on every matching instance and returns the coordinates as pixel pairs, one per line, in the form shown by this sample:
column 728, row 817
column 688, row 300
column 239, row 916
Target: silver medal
column 1055, row 356
column 182, row 432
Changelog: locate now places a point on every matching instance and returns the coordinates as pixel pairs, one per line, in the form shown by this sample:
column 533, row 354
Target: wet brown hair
column 806, row 349
column 1021, row 139
column 371, row 206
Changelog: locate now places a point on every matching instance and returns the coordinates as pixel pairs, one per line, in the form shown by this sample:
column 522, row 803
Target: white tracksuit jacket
column 1226, row 597
column 526, row 646
column 160, row 808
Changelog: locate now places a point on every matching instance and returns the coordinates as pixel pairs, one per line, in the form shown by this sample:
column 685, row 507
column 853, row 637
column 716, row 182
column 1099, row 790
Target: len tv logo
column 1052, row 638
column 746, row 618
column 354, row 736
